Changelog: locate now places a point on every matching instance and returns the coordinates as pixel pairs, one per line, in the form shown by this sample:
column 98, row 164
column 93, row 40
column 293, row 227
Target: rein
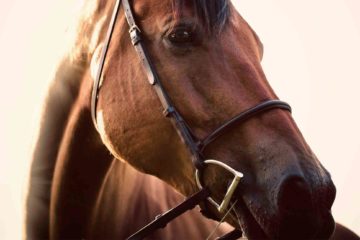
column 194, row 145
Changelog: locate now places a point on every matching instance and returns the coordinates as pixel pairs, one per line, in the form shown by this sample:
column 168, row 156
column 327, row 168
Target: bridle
column 194, row 145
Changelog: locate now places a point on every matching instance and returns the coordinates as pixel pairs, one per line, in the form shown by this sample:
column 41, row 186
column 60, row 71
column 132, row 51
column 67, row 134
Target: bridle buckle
column 230, row 190
column 135, row 34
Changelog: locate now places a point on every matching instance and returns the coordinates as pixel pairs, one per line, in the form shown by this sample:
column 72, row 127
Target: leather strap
column 97, row 80
column 153, row 78
column 163, row 219
column 242, row 117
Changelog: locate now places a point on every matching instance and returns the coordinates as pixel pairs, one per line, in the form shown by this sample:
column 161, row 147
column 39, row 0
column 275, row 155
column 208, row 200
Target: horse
column 108, row 179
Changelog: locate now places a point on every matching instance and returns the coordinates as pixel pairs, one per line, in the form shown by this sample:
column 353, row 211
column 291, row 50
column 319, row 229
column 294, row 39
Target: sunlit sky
column 311, row 59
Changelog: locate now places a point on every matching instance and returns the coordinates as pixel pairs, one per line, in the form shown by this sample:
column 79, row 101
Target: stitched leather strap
column 169, row 109
column 163, row 219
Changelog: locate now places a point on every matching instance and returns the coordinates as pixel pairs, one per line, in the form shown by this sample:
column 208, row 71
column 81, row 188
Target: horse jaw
column 105, row 138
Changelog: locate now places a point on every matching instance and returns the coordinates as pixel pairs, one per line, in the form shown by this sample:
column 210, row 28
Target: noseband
column 195, row 146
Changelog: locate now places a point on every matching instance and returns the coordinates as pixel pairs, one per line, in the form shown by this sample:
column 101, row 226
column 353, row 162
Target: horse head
column 209, row 62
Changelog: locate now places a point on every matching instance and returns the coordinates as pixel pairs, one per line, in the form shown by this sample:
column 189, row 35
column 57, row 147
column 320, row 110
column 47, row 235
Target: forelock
column 212, row 13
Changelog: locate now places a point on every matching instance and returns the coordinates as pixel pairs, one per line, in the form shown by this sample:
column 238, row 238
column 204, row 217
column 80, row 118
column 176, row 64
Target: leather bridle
column 195, row 146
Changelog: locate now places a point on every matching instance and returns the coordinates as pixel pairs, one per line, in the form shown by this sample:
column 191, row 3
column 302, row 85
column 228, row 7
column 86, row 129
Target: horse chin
column 328, row 227
column 252, row 229
column 247, row 223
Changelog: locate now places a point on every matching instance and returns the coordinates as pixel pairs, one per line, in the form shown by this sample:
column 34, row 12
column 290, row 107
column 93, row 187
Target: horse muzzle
column 293, row 210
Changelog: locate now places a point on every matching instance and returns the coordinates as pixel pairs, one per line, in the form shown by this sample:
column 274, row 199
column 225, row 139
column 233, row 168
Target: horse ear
column 95, row 61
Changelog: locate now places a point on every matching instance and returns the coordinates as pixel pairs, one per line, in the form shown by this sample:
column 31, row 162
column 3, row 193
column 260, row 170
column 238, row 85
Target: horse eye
column 179, row 36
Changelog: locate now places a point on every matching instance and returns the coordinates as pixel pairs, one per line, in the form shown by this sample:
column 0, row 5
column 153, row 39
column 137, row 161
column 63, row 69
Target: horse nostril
column 294, row 196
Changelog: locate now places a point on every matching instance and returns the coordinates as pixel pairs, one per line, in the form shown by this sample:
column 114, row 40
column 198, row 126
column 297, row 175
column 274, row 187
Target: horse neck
column 62, row 94
column 130, row 199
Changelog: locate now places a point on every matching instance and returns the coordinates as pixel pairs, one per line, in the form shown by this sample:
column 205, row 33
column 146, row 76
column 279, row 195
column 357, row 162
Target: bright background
column 312, row 51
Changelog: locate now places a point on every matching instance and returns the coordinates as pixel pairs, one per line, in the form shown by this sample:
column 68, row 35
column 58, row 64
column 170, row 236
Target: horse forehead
column 157, row 13
column 154, row 8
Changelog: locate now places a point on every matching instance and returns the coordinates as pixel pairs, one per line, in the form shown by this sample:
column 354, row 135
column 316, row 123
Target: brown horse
column 209, row 61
